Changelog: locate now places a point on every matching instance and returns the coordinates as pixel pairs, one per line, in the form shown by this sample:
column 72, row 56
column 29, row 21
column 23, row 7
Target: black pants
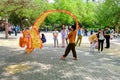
column 9, row 32
column 107, row 41
column 15, row 33
column 71, row 46
column 100, row 45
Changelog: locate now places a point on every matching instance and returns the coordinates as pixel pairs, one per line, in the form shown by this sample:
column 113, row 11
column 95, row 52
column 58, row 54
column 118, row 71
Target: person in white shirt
column 101, row 39
column 55, row 37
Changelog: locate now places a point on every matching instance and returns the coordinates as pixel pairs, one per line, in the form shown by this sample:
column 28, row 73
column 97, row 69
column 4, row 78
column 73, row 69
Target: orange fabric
column 93, row 38
column 29, row 43
column 21, row 42
column 34, row 40
column 29, row 50
column 42, row 17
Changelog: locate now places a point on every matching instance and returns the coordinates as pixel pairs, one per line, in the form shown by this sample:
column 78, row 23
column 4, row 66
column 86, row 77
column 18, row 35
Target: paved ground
column 45, row 63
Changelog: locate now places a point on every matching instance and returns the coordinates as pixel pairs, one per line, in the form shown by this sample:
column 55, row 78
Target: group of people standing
column 13, row 29
column 64, row 35
column 70, row 39
column 97, row 39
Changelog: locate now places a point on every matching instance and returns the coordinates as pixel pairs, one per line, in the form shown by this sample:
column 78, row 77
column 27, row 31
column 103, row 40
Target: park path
column 14, row 41
column 45, row 63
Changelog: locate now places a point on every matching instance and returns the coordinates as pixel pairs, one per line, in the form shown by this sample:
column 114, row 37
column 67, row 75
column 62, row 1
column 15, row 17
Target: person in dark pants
column 16, row 31
column 71, row 45
column 107, row 37
column 100, row 40
column 43, row 38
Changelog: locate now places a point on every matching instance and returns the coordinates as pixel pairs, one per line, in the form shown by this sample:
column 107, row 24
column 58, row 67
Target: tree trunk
column 6, row 31
column 6, row 26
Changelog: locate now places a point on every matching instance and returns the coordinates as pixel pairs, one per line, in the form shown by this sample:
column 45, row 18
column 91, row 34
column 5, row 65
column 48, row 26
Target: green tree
column 108, row 13
column 18, row 11
column 8, row 7
column 63, row 18
column 86, row 12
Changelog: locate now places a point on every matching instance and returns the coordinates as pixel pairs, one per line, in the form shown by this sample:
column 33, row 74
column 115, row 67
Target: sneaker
column 62, row 58
column 74, row 58
column 106, row 47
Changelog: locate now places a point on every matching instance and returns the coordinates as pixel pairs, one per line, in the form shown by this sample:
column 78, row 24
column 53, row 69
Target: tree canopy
column 89, row 14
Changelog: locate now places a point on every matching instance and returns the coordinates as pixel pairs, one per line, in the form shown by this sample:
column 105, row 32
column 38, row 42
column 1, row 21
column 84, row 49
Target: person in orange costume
column 93, row 38
column 93, row 42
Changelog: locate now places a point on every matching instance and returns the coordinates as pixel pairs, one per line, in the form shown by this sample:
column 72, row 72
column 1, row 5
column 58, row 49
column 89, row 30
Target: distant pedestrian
column 9, row 29
column 79, row 36
column 112, row 32
column 71, row 45
column 86, row 32
column 16, row 30
column 55, row 37
column 43, row 38
column 91, row 31
column 63, row 35
column 107, row 36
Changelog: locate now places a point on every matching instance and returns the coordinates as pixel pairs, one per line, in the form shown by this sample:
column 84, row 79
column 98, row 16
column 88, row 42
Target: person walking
column 71, row 45
column 79, row 38
column 101, row 39
column 55, row 37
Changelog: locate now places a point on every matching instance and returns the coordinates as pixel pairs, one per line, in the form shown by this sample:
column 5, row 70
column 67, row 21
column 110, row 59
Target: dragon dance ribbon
column 31, row 38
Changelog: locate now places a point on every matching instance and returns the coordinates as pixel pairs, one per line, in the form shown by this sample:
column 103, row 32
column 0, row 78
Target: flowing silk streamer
column 31, row 38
